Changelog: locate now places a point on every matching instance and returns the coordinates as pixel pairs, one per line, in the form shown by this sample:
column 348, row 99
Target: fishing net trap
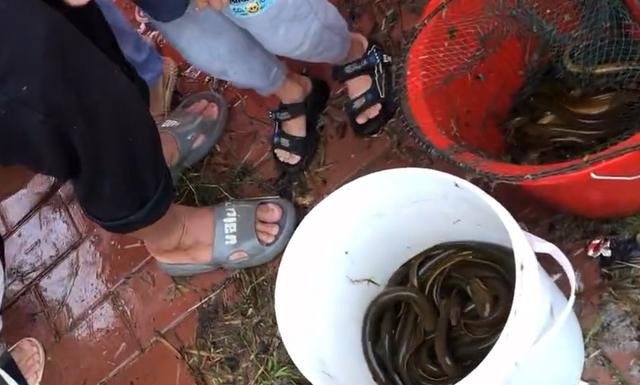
column 522, row 89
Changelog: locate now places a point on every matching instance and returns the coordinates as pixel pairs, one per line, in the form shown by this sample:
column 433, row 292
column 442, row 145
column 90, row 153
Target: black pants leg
column 71, row 107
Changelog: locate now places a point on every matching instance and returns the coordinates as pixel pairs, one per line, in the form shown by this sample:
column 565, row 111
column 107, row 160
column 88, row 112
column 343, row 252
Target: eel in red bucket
column 558, row 122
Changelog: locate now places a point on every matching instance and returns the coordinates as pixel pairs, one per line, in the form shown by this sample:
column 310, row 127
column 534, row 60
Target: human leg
column 158, row 72
column 211, row 42
column 142, row 56
column 83, row 120
column 314, row 31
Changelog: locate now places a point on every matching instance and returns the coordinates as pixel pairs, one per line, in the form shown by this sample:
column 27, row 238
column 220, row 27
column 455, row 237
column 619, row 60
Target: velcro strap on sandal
column 288, row 111
column 290, row 143
column 10, row 374
column 368, row 99
column 366, row 65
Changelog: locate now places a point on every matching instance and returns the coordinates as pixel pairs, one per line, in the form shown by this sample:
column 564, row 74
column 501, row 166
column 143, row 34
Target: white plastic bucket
column 347, row 247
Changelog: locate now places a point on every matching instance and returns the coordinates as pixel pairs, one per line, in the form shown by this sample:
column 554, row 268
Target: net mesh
column 525, row 81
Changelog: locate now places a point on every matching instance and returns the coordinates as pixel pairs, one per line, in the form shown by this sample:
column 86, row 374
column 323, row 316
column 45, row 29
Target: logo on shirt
column 248, row 8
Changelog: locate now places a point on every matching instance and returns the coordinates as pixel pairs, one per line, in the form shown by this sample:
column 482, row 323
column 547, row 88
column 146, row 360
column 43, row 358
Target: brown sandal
column 162, row 93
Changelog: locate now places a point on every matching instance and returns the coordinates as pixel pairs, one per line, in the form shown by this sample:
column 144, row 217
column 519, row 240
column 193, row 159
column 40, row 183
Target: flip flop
column 187, row 126
column 234, row 230
column 10, row 374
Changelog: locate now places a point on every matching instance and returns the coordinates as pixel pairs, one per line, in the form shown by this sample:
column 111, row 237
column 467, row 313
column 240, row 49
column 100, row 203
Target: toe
column 238, row 255
column 265, row 238
column 206, row 109
column 369, row 114
column 198, row 107
column 287, row 157
column 282, row 155
column 293, row 159
column 211, row 111
column 268, row 213
column 267, row 228
column 266, row 217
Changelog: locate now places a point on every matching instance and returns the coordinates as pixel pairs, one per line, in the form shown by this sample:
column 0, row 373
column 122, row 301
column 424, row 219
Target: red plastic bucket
column 459, row 113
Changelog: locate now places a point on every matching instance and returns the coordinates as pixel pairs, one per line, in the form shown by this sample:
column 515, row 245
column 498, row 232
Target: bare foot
column 357, row 86
column 294, row 90
column 169, row 144
column 196, row 243
column 28, row 356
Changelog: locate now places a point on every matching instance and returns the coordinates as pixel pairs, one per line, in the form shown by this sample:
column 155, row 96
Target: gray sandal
column 234, row 230
column 186, row 127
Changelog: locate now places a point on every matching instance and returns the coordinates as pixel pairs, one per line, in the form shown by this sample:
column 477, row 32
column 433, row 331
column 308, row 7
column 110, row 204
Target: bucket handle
column 540, row 245
column 609, row 177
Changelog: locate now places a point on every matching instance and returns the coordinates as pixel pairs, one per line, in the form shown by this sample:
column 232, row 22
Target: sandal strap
column 375, row 58
column 234, row 229
column 10, row 368
column 375, row 63
column 288, row 111
column 296, row 145
column 374, row 95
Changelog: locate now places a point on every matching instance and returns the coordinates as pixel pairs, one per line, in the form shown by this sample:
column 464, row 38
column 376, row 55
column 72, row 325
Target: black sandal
column 306, row 146
column 377, row 64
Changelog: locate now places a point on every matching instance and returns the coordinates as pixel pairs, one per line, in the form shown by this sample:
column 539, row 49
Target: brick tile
column 345, row 154
column 86, row 276
column 408, row 154
column 588, row 307
column 597, row 374
column 247, row 141
column 159, row 365
column 386, row 161
column 249, row 146
column 21, row 203
column 72, row 288
column 66, row 192
column 184, row 334
column 340, row 158
column 98, row 346
column 153, row 301
column 625, row 362
column 247, row 104
column 83, row 224
column 37, row 243
column 26, row 318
